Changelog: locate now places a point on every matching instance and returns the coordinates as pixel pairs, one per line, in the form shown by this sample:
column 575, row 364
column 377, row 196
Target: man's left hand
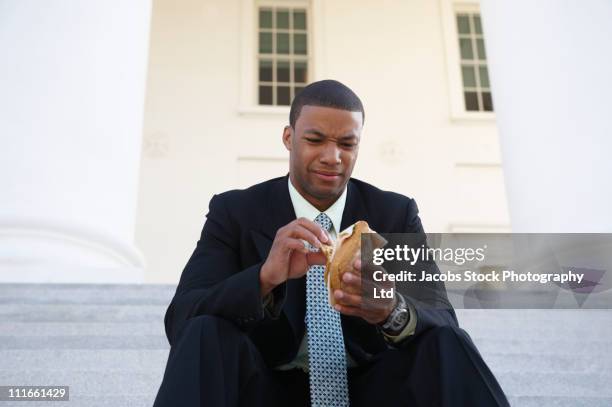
column 356, row 299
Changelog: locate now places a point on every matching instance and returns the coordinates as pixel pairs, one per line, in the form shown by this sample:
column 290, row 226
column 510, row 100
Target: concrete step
column 100, row 383
column 560, row 384
column 543, row 346
column 112, row 294
column 521, row 363
column 147, row 360
column 545, row 330
column 540, row 401
column 84, row 342
column 87, row 382
column 80, row 400
column 147, row 401
column 46, row 329
column 593, row 322
column 108, row 343
column 81, row 313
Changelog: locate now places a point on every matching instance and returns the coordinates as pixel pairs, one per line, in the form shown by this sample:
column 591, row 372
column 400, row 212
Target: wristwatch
column 398, row 318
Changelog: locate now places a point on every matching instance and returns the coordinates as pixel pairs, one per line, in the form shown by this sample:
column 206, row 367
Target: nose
column 330, row 154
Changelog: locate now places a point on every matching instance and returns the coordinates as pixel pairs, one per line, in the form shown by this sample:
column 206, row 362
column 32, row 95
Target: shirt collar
column 304, row 209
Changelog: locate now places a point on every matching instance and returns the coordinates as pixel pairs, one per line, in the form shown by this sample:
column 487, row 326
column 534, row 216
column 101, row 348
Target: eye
column 313, row 140
column 348, row 145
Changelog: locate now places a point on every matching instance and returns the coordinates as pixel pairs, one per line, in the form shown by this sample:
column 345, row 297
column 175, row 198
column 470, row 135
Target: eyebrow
column 321, row 134
column 315, row 132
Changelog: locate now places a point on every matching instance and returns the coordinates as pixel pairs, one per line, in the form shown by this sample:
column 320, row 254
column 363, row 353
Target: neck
column 322, row 204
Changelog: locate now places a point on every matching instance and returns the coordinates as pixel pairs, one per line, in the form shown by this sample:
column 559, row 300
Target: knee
column 210, row 323
column 211, row 327
column 444, row 344
column 447, row 330
column 447, row 334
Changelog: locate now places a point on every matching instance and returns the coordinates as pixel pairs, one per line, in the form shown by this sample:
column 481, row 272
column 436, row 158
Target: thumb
column 316, row 258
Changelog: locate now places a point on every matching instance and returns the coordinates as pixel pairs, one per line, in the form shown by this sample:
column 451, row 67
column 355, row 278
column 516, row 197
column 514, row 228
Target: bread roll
column 341, row 255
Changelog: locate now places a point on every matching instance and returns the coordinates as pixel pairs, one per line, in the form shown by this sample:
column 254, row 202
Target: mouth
column 327, row 175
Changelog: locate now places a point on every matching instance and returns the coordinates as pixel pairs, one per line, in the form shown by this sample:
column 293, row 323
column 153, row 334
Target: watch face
column 401, row 318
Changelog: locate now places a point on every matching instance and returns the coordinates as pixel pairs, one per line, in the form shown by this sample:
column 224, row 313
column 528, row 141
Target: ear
column 287, row 137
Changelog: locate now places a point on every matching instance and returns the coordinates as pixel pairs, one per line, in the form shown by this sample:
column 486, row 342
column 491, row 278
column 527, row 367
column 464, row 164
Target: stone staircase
column 107, row 343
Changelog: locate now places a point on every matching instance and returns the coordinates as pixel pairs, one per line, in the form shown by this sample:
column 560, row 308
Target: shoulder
column 255, row 192
column 386, row 210
column 375, row 197
column 248, row 202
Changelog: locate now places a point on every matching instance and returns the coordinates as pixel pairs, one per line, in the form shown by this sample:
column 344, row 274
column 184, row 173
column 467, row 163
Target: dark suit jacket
column 222, row 276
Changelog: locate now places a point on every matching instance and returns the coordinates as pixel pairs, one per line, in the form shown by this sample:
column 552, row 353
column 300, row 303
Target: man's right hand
column 289, row 257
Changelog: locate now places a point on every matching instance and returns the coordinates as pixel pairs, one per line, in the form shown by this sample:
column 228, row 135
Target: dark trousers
column 215, row 364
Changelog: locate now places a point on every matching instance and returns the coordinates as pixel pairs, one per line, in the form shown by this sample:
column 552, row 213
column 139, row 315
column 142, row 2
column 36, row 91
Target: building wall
column 201, row 136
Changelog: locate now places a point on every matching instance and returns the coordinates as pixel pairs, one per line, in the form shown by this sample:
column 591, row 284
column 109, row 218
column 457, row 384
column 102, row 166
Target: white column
column 550, row 63
column 72, row 82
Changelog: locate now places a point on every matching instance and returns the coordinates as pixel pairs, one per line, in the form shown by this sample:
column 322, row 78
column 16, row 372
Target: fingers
column 358, row 292
column 290, row 254
column 305, row 230
column 296, row 244
column 351, row 278
column 301, row 232
column 370, row 315
column 355, row 270
column 356, row 296
column 314, row 228
column 348, row 310
column 346, row 298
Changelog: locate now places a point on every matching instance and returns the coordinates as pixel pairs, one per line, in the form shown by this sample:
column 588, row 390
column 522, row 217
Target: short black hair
column 325, row 93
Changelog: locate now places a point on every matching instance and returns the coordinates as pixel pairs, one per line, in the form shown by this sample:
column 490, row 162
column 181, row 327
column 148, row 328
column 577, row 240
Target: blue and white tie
column 326, row 352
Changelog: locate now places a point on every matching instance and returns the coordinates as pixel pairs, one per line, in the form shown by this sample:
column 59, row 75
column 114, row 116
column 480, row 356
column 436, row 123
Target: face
column 323, row 149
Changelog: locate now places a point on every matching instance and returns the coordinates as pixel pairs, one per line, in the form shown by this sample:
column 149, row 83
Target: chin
column 328, row 191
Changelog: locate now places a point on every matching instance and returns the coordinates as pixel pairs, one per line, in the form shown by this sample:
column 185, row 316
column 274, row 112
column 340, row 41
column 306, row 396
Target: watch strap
column 398, row 318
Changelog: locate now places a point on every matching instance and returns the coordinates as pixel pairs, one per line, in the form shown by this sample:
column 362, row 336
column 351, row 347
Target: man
column 250, row 323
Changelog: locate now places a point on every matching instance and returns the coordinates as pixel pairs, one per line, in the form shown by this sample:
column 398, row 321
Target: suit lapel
column 279, row 209
column 354, row 209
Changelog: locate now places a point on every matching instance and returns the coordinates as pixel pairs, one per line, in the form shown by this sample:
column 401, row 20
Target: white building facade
column 151, row 109
column 220, row 76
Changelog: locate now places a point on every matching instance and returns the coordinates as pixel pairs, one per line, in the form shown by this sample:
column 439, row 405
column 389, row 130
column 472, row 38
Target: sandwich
column 342, row 253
